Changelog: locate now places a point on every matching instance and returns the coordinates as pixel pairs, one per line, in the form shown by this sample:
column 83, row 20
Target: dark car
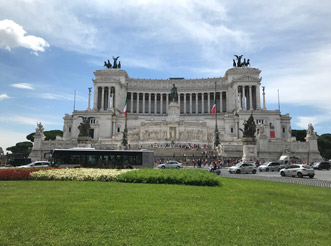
column 321, row 165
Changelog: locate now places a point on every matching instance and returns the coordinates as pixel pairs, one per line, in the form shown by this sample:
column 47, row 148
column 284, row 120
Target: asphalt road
column 322, row 177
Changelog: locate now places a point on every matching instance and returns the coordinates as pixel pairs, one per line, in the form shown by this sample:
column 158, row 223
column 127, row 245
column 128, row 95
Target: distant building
column 153, row 117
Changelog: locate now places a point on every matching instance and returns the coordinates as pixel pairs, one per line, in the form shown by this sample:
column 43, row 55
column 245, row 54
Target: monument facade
column 178, row 110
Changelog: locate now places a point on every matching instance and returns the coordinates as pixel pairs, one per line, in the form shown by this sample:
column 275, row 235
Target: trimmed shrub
column 170, row 176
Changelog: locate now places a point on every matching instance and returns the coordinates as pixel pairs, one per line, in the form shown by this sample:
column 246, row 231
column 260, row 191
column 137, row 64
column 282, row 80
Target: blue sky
column 49, row 49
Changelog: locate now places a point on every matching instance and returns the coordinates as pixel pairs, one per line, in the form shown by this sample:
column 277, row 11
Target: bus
column 92, row 158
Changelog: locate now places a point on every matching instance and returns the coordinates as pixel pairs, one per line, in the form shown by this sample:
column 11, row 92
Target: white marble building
column 153, row 119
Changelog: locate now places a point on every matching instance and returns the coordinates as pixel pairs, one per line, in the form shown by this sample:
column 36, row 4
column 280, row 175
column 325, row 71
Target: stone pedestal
column 249, row 149
column 84, row 142
column 314, row 154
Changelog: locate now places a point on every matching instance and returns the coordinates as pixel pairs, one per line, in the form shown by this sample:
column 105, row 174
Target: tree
column 299, row 135
column 21, row 149
column 324, row 145
column 50, row 135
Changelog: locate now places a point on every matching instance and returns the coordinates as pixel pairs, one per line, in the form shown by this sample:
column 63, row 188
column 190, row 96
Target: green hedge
column 171, row 176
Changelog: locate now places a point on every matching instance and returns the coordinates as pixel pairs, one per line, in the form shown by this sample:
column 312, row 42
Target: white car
column 36, row 164
column 243, row 167
column 171, row 164
column 298, row 170
column 271, row 166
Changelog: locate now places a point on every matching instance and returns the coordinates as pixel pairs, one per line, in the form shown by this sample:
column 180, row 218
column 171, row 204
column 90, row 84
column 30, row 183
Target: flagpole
column 125, row 132
column 217, row 140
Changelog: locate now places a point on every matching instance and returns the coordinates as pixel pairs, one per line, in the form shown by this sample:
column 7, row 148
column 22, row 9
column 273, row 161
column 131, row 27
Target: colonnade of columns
column 248, row 98
column 104, row 98
column 190, row 103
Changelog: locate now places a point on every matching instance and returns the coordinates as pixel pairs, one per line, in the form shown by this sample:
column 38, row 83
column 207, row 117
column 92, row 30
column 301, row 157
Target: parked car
column 36, row 164
column 170, row 164
column 243, row 167
column 271, row 166
column 298, row 170
column 321, row 165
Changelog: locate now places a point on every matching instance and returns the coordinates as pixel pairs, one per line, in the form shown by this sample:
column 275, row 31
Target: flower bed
column 17, row 173
column 81, row 174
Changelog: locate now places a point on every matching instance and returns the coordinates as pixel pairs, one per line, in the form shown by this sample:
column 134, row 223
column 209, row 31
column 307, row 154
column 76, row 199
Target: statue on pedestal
column 249, row 128
column 310, row 130
column 115, row 65
column 174, row 94
column 84, row 127
column 39, row 129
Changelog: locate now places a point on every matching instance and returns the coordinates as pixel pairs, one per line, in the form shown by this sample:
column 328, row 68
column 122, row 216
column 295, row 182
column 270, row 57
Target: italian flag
column 213, row 110
column 125, row 106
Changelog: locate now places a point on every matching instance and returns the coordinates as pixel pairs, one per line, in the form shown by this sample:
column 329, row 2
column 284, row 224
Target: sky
column 50, row 48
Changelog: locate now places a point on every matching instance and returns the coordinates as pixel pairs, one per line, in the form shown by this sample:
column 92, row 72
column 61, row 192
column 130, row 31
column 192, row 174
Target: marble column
column 95, row 99
column 108, row 98
column 167, row 102
column 258, row 97
column 191, row 105
column 184, row 103
column 102, row 98
column 155, row 103
column 250, row 98
column 203, row 103
column 144, row 103
column 161, row 103
column 137, row 102
column 208, row 111
column 196, row 103
column 149, row 103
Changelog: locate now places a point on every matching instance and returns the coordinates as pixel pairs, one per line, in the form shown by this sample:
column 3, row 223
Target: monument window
column 129, row 102
column 118, row 129
column 199, row 103
column 181, row 103
column 140, row 100
column 283, row 129
column 153, row 97
column 224, row 101
column 231, row 129
column 69, row 129
column 147, row 103
column 134, row 100
column 194, row 101
column 205, row 101
column 158, row 103
column 164, row 103
column 187, row 96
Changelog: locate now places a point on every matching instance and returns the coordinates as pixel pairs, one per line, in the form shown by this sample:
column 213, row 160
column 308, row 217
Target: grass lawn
column 240, row 212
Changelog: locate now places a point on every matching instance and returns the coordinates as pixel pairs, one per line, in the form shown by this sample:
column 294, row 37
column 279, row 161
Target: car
column 321, row 165
column 271, row 166
column 170, row 164
column 298, row 170
column 36, row 164
column 243, row 167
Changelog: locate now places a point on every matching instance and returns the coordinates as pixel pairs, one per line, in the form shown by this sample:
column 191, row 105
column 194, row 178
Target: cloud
column 303, row 79
column 10, row 138
column 13, row 35
column 3, row 96
column 18, row 119
column 23, row 86
column 69, row 97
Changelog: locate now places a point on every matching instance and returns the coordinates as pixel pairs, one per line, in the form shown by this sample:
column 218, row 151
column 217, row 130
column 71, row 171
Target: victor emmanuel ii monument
column 178, row 110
